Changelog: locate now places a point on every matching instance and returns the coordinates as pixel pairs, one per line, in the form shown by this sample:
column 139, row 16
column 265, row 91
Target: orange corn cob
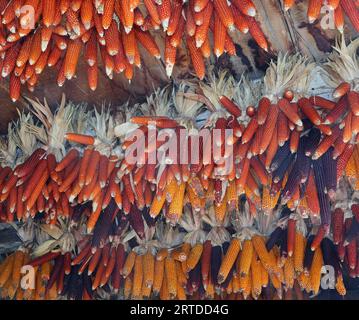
column 129, row 45
column 175, row 17
column 289, row 111
column 315, row 270
column 137, row 277
column 313, row 12
column 202, row 30
column 224, row 13
column 108, row 10
column 219, row 35
column 148, row 43
column 352, row 11
column 194, row 256
column 158, row 276
column 229, row 259
column 339, row 18
column 257, row 33
column 71, row 58
column 309, row 111
column 164, row 12
column 152, row 10
column 128, row 15
column 171, row 277
column 190, row 23
column 341, row 90
column 196, row 57
column 247, row 7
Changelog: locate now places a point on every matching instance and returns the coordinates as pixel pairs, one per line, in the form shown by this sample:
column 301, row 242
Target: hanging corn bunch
column 265, row 227
column 57, row 34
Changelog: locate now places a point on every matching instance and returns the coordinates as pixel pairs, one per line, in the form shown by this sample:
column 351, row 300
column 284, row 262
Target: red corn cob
column 352, row 12
column 321, row 233
column 230, row 106
column 339, row 18
column 338, row 225
column 309, row 111
column 250, row 130
column 108, row 10
column 322, row 102
column 353, row 101
column 45, row 258
column 246, row 7
column 224, row 12
column 257, row 33
column 341, row 90
column 289, row 111
column 269, row 127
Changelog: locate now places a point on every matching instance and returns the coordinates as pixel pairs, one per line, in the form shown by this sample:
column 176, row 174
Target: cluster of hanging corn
column 284, row 207
column 340, row 8
column 35, row 34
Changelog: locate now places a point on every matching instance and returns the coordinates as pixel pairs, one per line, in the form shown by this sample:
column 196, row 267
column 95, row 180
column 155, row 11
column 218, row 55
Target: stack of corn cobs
column 258, row 216
column 35, row 34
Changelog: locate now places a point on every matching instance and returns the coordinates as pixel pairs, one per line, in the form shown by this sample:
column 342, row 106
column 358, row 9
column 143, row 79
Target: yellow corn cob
column 181, row 277
column 162, row 254
column 18, row 263
column 256, row 277
column 20, row 295
column 232, row 191
column 129, row 263
column 176, row 206
column 171, row 190
column 229, row 259
column 171, row 277
column 229, row 288
column 181, row 293
column 186, row 248
column 127, row 288
column 178, row 255
column 246, row 285
column 351, row 170
column 221, row 210
column 11, row 289
column 298, row 256
column 194, row 256
column 148, row 269
column 158, row 276
column 263, row 254
column 265, row 276
column 164, row 294
column 194, row 200
column 289, row 273
column 246, row 258
column 7, row 270
column 275, row 281
column 137, row 277
column 340, row 286
column 315, row 270
column 304, row 281
column 157, row 205
column 146, row 292
column 236, row 283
